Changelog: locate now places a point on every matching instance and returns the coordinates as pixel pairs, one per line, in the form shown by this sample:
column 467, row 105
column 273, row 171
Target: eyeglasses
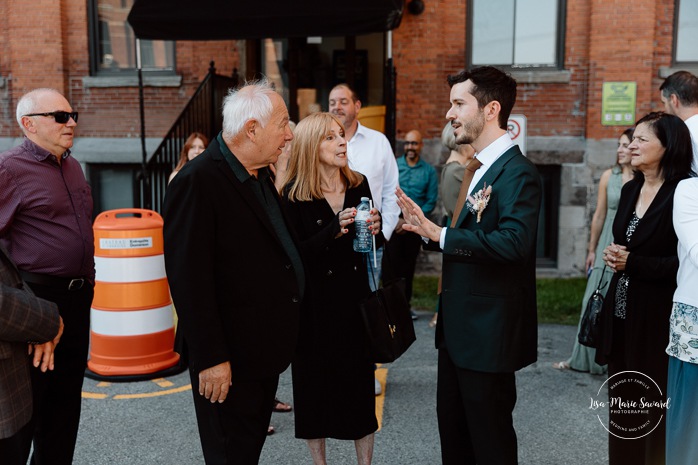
column 411, row 142
column 61, row 117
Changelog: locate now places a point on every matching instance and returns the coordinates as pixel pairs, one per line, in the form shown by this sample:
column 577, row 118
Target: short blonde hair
column 303, row 172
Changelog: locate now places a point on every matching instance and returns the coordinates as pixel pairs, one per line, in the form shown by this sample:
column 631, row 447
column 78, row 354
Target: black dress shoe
column 414, row 314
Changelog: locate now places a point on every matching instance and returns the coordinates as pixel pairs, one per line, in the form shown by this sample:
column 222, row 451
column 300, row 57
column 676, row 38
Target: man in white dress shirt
column 679, row 93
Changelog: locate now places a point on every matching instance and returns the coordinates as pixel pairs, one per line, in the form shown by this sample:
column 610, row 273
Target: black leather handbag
column 388, row 322
column 590, row 326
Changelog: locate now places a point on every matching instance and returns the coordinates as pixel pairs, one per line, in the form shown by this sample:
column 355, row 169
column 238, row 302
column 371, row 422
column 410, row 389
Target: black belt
column 71, row 284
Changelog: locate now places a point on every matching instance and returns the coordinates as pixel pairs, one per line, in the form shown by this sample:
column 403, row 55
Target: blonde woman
column 320, row 199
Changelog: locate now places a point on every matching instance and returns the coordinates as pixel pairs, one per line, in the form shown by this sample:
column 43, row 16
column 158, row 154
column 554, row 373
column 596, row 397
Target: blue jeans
column 375, row 269
column 682, row 415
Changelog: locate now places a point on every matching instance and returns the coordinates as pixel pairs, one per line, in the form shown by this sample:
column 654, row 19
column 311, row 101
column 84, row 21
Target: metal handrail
column 201, row 114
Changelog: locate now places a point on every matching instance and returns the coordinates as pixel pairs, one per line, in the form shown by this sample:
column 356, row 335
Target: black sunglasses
column 61, row 117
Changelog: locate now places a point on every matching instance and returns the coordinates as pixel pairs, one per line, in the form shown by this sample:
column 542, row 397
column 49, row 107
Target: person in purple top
column 46, row 226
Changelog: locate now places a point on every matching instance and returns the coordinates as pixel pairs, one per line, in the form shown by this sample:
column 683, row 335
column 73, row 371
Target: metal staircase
column 202, row 114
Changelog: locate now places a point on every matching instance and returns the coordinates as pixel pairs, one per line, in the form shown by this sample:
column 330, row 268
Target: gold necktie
column 468, row 174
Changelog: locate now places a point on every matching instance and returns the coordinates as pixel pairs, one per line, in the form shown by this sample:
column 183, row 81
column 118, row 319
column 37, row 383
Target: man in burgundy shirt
column 46, row 226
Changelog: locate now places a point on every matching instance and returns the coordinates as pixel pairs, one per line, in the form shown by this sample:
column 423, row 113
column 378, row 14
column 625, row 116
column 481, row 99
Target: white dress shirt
column 370, row 154
column 692, row 124
column 685, row 216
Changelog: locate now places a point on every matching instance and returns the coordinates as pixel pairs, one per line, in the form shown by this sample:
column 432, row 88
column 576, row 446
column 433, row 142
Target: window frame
column 93, row 48
column 674, row 43
column 560, row 39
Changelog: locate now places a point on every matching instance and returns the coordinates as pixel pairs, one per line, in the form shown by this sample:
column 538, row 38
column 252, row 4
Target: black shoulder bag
column 387, row 319
column 590, row 326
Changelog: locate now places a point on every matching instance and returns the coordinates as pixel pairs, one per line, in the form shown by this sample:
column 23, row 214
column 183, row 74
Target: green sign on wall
column 618, row 103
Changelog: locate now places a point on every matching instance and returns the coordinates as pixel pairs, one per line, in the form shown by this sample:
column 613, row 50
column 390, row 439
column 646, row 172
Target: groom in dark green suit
column 487, row 328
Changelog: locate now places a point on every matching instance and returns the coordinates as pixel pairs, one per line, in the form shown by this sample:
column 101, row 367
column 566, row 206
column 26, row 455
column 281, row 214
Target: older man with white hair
column 226, row 242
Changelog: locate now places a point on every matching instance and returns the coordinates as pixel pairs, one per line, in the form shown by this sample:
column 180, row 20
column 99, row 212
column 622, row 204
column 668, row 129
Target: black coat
column 233, row 285
column 332, row 360
column 337, row 278
column 651, row 266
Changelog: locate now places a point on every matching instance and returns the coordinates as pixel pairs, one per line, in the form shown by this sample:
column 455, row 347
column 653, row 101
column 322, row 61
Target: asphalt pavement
column 152, row 421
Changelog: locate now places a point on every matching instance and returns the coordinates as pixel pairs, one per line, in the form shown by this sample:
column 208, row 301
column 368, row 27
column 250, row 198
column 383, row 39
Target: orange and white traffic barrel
column 132, row 319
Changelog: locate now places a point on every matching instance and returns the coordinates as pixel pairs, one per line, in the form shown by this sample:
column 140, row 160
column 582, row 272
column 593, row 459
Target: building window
column 685, row 50
column 112, row 185
column 516, row 33
column 113, row 44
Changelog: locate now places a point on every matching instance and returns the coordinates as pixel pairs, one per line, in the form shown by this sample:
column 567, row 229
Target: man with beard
column 418, row 180
column 487, row 326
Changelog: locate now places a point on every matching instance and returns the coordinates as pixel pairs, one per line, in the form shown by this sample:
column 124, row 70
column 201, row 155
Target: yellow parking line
column 381, row 376
column 103, row 384
column 92, row 395
column 162, row 382
column 153, row 394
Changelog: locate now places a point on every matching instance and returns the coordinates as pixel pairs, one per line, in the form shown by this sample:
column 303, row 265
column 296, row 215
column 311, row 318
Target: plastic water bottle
column 362, row 241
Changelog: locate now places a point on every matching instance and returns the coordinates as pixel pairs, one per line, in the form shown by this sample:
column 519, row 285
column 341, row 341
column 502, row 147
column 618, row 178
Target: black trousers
column 15, row 449
column 234, row 431
column 400, row 259
column 57, row 394
column 474, row 412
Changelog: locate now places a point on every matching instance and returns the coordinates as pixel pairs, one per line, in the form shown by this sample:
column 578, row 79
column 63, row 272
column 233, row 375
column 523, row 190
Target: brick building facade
column 52, row 44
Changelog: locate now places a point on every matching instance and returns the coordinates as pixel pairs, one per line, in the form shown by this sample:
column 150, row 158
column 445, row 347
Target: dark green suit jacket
column 488, row 319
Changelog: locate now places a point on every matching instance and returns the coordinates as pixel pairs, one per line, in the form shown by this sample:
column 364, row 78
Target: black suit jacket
column 652, row 266
column 488, row 316
column 233, row 285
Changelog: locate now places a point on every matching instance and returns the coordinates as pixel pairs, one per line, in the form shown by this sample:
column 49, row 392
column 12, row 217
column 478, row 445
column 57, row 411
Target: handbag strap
column 369, row 267
column 602, row 284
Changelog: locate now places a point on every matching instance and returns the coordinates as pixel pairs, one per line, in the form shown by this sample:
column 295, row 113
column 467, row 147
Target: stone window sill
column 542, row 76
column 666, row 71
column 131, row 81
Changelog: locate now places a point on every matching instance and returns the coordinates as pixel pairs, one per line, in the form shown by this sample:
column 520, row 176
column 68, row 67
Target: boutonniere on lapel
column 478, row 201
